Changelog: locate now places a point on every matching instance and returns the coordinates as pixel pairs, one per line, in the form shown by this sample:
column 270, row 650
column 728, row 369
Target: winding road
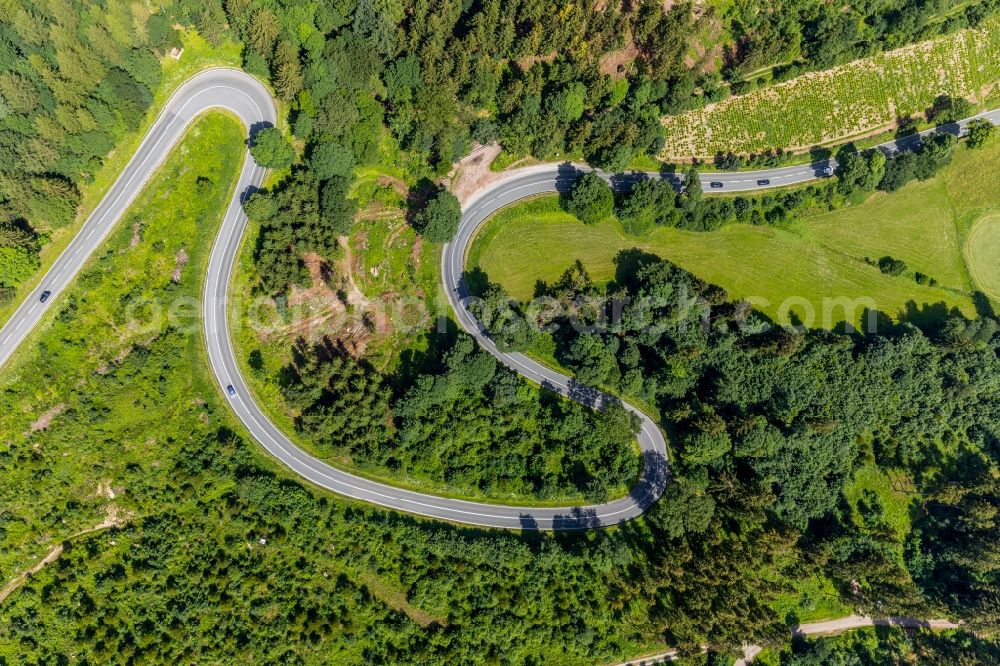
column 244, row 96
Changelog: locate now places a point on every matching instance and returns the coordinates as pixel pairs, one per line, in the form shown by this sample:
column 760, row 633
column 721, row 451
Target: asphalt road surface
column 244, row 96
column 251, row 102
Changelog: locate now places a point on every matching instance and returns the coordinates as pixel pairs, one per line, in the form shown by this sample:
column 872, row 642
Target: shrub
column 649, row 203
column 331, row 159
column 271, row 150
column 948, row 109
column 590, row 199
column 438, row 221
column 980, row 132
column 891, row 266
column 17, row 264
column 728, row 161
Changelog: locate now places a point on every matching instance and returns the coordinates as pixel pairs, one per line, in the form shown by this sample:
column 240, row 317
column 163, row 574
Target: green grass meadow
column 894, row 490
column 789, row 271
column 115, row 378
column 983, row 254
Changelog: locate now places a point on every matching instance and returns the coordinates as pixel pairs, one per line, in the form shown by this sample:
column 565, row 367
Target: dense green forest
column 438, row 77
column 885, row 645
column 790, row 416
column 464, row 422
column 216, row 554
column 225, row 557
column 75, row 75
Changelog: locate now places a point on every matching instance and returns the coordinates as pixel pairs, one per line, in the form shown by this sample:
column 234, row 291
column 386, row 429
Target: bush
column 891, row 266
column 331, row 159
column 980, row 132
column 438, row 221
column 7, row 294
column 728, row 161
column 17, row 264
column 948, row 109
column 19, row 247
column 898, row 172
column 649, row 203
column 271, row 150
column 590, row 199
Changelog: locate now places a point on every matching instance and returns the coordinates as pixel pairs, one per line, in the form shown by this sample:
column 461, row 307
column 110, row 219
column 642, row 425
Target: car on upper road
column 45, row 296
column 231, row 390
column 828, row 171
column 764, row 181
column 716, row 184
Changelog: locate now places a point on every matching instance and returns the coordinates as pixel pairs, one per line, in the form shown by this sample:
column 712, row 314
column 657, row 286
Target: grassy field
column 983, row 254
column 845, row 102
column 779, row 270
column 815, row 598
column 115, row 377
column 197, row 55
column 792, row 269
column 894, row 490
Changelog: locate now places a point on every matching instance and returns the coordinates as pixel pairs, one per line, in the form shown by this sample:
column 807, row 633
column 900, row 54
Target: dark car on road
column 764, row 181
column 828, row 171
column 716, row 184
column 45, row 296
column 230, row 390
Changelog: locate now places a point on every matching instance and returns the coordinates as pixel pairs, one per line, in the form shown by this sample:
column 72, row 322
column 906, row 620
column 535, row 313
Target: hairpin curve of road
column 247, row 98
